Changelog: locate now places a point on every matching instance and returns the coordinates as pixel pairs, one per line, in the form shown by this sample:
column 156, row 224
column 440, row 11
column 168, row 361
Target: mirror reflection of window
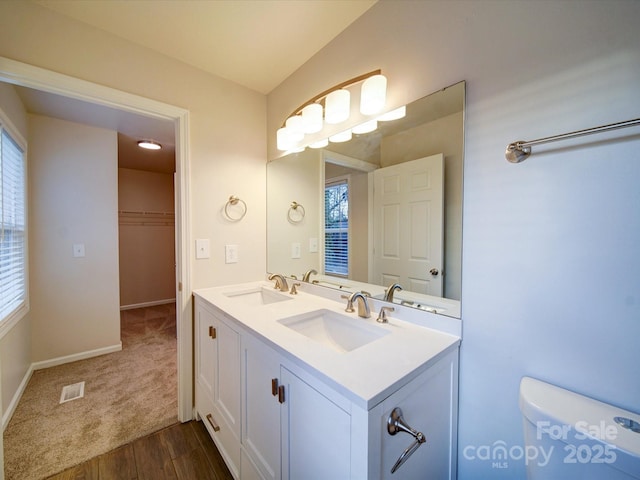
column 336, row 227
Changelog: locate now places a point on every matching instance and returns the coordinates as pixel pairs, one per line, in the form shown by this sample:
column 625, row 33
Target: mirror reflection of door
column 408, row 225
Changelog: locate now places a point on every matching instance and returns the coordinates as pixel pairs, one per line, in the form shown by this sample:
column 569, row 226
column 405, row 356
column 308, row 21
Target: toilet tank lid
column 543, row 402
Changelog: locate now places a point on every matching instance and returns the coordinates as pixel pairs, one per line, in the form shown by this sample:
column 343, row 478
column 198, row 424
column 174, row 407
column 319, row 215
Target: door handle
column 434, row 272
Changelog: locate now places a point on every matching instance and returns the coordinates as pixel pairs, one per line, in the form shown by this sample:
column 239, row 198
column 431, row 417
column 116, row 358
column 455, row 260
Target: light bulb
column 312, row 118
column 394, row 114
column 341, row 137
column 294, row 126
column 373, row 95
column 283, row 139
column 320, row 143
column 365, row 127
column 337, row 106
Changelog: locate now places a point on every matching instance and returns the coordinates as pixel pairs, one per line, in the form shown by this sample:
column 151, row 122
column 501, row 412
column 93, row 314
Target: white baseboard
column 77, row 356
column 148, row 304
column 13, row 404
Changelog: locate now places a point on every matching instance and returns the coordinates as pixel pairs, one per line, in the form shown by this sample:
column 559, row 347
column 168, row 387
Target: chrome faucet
column 388, row 294
column 307, row 274
column 361, row 300
column 281, row 282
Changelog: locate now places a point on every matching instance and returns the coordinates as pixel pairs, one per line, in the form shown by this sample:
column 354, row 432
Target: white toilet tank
column 570, row 436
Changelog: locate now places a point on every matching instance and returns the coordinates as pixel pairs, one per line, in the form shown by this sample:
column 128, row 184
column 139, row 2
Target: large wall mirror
column 384, row 208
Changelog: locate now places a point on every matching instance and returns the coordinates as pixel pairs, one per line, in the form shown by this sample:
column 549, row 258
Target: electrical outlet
column 231, row 254
column 295, row 250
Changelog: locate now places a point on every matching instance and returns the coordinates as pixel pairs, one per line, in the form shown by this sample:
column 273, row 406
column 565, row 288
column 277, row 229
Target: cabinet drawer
column 225, row 439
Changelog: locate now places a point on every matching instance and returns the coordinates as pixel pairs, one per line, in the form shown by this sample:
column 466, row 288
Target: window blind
column 336, row 228
column 12, row 226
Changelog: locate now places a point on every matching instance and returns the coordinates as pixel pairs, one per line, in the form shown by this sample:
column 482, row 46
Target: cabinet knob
column 212, row 332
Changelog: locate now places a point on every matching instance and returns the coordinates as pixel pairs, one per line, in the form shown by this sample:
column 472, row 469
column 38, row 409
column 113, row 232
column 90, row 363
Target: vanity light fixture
column 320, row 143
column 396, row 114
column 341, row 137
column 335, row 103
column 149, row 145
column 365, row 127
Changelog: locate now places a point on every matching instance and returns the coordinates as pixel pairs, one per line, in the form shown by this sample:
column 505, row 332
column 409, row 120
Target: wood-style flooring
column 183, row 451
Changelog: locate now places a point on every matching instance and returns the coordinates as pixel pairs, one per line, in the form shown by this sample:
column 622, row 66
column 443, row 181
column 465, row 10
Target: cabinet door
column 261, row 419
column 316, row 433
column 206, row 351
column 428, row 406
column 226, row 395
column 218, row 382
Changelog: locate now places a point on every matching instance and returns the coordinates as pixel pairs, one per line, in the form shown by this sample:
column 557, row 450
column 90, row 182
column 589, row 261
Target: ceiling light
column 149, row 145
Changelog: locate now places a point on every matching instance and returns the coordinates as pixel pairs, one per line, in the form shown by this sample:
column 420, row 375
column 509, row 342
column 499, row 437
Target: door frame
column 25, row 75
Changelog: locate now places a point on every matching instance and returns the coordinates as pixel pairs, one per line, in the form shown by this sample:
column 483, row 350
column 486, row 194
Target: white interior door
column 408, row 225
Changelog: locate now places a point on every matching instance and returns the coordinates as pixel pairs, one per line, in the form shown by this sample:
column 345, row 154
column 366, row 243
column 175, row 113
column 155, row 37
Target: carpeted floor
column 127, row 395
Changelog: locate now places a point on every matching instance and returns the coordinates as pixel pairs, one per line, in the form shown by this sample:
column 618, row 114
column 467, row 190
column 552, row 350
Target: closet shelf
column 140, row 218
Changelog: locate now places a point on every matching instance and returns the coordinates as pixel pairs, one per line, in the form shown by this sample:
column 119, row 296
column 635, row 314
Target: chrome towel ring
column 232, row 202
column 296, row 212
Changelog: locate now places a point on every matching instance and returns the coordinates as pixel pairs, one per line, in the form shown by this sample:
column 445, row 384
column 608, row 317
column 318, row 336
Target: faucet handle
column 294, row 290
column 382, row 315
column 349, row 308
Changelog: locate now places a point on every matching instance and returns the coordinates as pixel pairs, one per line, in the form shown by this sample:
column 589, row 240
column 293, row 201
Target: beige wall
column 147, row 241
column 73, row 175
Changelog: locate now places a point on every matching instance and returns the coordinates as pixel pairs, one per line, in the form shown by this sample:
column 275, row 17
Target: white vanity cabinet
column 289, row 409
column 217, row 355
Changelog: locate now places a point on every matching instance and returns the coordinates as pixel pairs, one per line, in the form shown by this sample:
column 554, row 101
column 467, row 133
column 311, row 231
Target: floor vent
column 72, row 392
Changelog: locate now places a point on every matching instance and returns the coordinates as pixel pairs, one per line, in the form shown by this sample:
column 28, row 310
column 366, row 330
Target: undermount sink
column 340, row 332
column 258, row 296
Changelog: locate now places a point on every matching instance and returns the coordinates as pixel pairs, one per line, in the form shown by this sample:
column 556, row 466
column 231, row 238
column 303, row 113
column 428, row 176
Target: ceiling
column 255, row 43
column 263, row 42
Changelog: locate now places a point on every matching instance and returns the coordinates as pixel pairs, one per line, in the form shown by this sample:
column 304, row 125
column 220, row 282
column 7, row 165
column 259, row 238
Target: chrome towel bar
column 519, row 151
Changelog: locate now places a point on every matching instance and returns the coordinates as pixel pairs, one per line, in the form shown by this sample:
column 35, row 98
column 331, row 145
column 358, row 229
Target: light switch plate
column 231, row 254
column 203, row 248
column 295, row 250
column 313, row 245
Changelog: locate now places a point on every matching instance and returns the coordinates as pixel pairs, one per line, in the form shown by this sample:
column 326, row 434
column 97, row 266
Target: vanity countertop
column 365, row 375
